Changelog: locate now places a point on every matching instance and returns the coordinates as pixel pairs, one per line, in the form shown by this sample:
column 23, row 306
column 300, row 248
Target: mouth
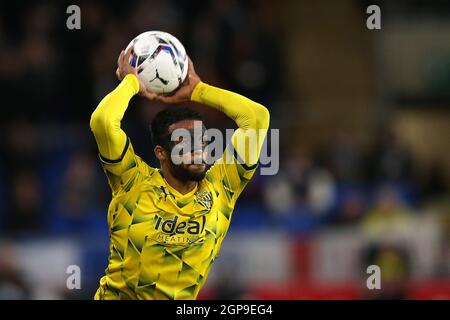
column 198, row 166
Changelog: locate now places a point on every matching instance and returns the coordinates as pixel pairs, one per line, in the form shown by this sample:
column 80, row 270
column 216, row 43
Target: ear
column 160, row 153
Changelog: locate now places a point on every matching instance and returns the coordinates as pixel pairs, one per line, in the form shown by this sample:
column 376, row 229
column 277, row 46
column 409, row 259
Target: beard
column 182, row 172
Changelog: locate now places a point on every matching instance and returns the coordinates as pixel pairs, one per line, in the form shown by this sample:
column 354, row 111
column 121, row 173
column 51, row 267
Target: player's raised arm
column 251, row 118
column 117, row 156
column 106, row 119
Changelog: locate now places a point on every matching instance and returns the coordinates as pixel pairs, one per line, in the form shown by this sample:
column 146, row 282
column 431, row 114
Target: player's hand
column 124, row 67
column 184, row 92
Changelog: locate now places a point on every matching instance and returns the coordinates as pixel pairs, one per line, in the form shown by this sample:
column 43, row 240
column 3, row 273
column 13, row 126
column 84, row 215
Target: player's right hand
column 124, row 67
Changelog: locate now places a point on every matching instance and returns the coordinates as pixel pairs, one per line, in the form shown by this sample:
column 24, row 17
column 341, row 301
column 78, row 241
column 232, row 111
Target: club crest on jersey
column 204, row 198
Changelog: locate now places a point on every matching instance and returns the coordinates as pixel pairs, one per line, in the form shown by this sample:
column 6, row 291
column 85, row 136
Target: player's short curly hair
column 159, row 127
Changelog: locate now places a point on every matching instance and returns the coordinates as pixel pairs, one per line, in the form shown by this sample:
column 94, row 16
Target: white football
column 160, row 59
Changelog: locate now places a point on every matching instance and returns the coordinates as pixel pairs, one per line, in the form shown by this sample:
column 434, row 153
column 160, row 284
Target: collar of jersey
column 175, row 192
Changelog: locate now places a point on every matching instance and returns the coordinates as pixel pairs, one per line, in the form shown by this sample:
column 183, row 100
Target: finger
column 119, row 59
column 150, row 95
column 191, row 65
column 118, row 73
column 164, row 99
column 128, row 54
column 185, row 82
column 150, row 92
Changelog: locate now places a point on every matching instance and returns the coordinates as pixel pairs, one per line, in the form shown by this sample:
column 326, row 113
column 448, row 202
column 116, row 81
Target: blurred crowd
column 51, row 183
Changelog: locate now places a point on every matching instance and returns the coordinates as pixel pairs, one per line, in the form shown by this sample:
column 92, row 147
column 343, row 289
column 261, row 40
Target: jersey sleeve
column 120, row 163
column 239, row 161
column 123, row 172
column 230, row 172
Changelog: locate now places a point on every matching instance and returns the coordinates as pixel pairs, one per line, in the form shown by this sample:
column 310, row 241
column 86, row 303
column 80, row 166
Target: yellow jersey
column 163, row 243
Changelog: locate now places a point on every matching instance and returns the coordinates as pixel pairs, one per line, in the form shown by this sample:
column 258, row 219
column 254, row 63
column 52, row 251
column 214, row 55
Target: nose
column 198, row 156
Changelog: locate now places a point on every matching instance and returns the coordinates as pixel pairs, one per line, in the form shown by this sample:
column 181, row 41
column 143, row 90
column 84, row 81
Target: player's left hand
column 184, row 92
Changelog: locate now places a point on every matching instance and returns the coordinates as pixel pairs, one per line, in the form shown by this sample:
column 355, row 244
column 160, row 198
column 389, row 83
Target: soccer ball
column 160, row 59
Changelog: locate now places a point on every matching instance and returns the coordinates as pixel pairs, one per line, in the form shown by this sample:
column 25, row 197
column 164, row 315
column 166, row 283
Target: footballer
column 166, row 225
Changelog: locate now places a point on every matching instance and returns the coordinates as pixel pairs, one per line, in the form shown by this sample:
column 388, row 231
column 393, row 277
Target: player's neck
column 182, row 187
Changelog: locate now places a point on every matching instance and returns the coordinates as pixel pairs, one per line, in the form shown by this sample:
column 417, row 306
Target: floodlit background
column 364, row 119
